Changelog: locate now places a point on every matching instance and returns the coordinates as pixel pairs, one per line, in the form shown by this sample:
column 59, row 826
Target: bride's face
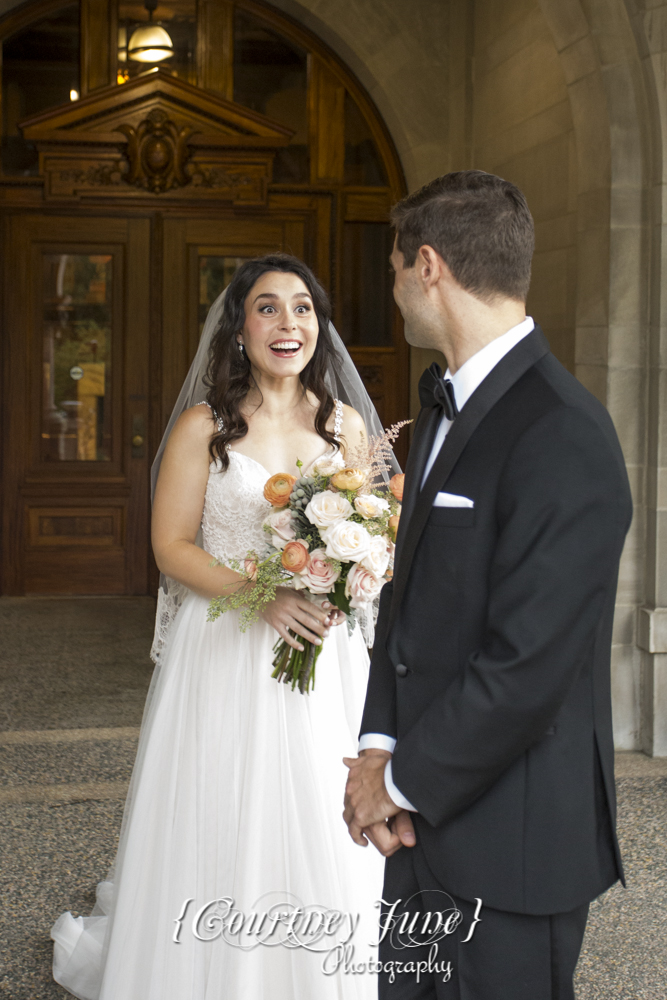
column 280, row 331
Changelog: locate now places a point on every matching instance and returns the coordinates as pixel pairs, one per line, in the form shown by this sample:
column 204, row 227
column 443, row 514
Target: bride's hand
column 292, row 611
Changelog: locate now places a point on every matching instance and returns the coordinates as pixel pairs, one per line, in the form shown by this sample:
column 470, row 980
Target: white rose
column 361, row 586
column 377, row 560
column 328, row 464
column 368, row 505
column 348, row 541
column 279, row 522
column 326, row 509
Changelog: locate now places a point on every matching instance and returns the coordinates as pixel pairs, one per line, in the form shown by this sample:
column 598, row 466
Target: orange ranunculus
column 278, row 488
column 396, row 485
column 393, row 525
column 295, row 556
column 348, row 479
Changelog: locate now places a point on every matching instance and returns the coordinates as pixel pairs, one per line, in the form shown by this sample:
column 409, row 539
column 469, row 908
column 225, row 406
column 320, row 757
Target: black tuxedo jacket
column 502, row 615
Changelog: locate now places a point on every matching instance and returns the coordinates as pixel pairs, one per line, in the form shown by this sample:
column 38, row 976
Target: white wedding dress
column 236, row 794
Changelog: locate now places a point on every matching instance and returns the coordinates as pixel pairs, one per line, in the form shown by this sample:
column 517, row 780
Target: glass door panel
column 76, row 368
column 215, row 273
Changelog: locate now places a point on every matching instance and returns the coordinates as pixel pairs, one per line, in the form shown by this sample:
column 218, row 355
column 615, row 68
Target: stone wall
column 523, row 131
column 552, row 95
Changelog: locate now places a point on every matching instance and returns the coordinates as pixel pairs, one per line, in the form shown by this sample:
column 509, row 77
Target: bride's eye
column 264, row 308
column 305, row 308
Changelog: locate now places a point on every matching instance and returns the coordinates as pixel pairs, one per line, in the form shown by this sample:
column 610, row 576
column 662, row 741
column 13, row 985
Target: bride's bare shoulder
column 195, row 425
column 353, row 429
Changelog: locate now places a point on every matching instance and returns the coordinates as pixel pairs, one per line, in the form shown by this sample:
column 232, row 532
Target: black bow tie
column 434, row 390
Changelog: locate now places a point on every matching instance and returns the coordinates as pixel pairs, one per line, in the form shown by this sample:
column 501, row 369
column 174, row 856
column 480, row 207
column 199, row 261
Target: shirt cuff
column 394, row 794
column 376, row 741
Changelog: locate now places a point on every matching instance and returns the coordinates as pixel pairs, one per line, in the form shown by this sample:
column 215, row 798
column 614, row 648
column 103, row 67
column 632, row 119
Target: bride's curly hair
column 229, row 377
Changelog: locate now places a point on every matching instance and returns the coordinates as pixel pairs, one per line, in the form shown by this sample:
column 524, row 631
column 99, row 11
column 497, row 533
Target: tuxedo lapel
column 508, row 371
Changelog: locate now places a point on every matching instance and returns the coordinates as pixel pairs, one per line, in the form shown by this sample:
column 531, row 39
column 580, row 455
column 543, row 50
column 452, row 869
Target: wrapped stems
column 296, row 666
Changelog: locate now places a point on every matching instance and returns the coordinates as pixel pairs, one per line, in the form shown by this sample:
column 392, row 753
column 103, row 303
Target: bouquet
column 330, row 534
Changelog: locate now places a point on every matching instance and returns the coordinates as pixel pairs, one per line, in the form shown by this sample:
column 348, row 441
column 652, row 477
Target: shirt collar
column 471, row 374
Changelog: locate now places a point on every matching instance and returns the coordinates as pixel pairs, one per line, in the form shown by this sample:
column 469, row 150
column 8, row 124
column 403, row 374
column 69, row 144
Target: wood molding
column 215, row 47
column 326, row 124
column 98, row 69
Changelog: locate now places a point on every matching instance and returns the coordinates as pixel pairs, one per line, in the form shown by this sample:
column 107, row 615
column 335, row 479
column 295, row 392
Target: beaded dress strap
column 338, row 420
column 218, row 420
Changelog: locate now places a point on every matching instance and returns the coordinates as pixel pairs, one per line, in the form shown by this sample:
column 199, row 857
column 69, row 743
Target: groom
column 486, row 767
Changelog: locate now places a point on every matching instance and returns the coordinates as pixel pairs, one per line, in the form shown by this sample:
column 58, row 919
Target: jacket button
column 401, row 669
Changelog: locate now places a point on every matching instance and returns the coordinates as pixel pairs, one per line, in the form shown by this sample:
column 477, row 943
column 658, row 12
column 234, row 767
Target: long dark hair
column 229, row 377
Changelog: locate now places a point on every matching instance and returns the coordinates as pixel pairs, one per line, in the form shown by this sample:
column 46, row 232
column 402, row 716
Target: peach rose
column 393, row 525
column 295, row 556
column 250, row 569
column 278, row 488
column 320, row 574
column 396, row 485
column 348, row 479
column 361, row 586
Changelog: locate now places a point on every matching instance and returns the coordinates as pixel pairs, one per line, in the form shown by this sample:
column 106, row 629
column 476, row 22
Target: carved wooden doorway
column 124, row 211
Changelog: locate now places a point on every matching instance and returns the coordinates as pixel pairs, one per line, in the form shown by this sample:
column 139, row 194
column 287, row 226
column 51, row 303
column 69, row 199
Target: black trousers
column 510, row 956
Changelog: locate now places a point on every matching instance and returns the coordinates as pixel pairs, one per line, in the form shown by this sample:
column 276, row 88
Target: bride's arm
column 178, row 505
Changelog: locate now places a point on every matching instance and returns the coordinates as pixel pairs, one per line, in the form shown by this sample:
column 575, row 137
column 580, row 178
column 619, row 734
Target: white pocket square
column 452, row 500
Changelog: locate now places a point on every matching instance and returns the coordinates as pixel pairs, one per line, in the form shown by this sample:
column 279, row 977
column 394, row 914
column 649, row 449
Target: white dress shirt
column 469, row 376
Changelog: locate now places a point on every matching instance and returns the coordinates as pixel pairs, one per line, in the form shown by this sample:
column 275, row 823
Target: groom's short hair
column 480, row 225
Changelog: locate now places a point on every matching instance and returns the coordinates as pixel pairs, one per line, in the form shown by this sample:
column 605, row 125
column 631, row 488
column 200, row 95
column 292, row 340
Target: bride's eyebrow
column 272, row 295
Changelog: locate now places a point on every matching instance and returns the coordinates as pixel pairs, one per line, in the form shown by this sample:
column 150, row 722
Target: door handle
column 138, row 431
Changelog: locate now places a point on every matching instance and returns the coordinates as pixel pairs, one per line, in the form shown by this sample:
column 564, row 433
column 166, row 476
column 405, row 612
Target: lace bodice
column 235, row 509
column 231, row 525
column 234, row 506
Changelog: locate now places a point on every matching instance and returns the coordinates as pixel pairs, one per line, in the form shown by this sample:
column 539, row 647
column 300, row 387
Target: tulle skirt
column 235, row 874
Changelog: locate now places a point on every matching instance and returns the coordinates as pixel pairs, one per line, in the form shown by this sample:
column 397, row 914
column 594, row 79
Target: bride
column 235, row 875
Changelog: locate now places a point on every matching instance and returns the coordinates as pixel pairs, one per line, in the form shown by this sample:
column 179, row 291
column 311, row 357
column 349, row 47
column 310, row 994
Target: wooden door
column 75, row 456
column 200, row 256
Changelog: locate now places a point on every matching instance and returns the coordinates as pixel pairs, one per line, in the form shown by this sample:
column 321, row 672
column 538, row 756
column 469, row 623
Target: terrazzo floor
column 73, row 678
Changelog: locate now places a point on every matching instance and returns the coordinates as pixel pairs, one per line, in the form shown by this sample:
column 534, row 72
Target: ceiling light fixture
column 150, row 42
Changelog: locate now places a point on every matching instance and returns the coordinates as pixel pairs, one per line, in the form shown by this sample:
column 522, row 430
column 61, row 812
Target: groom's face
column 419, row 318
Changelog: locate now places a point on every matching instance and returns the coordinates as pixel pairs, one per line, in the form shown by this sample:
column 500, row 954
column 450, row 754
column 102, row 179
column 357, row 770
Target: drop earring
column 241, row 349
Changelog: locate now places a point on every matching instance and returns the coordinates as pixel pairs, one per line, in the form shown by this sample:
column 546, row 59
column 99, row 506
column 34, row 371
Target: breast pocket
column 452, row 517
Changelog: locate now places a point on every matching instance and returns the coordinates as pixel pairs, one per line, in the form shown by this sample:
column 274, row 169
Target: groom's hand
column 368, row 805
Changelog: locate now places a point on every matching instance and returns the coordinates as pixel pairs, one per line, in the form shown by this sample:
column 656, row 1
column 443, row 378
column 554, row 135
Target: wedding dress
column 236, row 796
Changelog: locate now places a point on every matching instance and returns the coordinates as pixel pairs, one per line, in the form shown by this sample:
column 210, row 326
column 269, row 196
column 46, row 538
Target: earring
column 241, row 349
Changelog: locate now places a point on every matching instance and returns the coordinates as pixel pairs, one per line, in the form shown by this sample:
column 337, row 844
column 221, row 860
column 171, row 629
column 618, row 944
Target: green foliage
column 253, row 596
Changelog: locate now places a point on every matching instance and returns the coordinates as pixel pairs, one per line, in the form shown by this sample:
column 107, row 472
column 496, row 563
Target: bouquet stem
column 296, row 666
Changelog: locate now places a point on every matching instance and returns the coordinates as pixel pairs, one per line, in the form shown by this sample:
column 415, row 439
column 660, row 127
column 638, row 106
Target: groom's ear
column 430, row 267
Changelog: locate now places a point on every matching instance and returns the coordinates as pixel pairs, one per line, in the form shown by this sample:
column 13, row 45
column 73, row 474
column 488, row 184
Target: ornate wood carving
column 156, row 136
column 157, row 152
